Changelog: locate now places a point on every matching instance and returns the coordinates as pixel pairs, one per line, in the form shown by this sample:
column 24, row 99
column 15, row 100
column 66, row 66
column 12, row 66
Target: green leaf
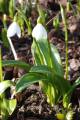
column 44, row 48
column 1, row 78
column 51, row 94
column 4, row 37
column 36, row 52
column 77, row 82
column 16, row 63
column 11, row 8
column 53, row 76
column 29, row 79
column 42, row 69
column 53, row 85
column 9, row 105
column 4, row 85
column 56, row 86
column 12, row 105
column 47, row 54
column 56, row 61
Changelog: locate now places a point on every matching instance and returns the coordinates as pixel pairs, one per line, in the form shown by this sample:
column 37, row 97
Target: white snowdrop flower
column 39, row 32
column 14, row 29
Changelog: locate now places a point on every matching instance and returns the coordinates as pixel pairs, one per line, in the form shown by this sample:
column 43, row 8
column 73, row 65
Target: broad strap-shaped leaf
column 51, row 74
column 56, row 61
column 4, row 85
column 9, row 105
column 41, row 48
column 53, row 85
column 45, row 51
column 16, row 63
column 49, row 55
column 47, row 86
column 29, row 79
column 12, row 105
column 52, row 94
column 4, row 37
column 37, row 55
column 42, row 69
column 60, row 86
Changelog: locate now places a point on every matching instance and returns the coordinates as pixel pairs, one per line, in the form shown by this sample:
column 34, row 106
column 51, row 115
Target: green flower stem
column 66, row 38
column 13, row 49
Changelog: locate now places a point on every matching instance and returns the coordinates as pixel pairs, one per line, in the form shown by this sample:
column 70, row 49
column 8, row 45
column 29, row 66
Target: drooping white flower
column 14, row 29
column 39, row 32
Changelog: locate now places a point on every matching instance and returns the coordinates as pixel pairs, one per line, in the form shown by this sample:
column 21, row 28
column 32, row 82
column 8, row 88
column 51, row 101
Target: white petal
column 20, row 1
column 39, row 32
column 14, row 29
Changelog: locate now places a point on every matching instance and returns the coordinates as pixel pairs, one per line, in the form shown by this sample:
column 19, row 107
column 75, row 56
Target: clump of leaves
column 7, row 106
column 47, row 69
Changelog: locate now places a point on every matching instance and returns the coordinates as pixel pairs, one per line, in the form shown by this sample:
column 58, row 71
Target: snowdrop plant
column 47, row 69
column 13, row 29
column 7, row 106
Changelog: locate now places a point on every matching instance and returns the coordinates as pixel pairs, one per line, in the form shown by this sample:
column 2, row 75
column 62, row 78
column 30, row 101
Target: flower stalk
column 13, row 29
column 13, row 49
column 66, row 38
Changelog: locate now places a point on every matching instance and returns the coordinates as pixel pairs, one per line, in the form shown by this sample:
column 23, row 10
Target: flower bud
column 14, row 29
column 39, row 32
column 4, row 17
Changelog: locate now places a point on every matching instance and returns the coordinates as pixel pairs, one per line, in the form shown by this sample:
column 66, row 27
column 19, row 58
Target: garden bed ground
column 32, row 103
